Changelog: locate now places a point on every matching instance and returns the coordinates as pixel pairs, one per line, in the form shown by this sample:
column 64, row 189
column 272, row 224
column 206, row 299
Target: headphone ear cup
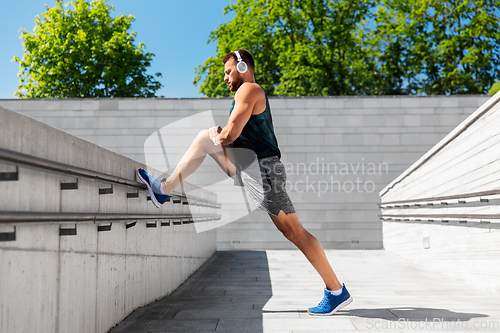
column 242, row 67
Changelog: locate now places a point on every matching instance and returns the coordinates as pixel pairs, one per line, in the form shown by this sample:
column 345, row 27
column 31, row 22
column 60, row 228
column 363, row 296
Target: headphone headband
column 241, row 66
column 238, row 56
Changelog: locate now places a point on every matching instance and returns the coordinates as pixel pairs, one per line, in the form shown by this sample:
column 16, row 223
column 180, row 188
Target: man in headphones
column 250, row 126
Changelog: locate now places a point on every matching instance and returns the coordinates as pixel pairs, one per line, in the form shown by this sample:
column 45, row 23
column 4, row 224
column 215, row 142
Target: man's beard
column 236, row 83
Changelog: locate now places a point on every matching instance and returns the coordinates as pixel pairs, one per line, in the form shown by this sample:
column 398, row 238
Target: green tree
column 436, row 46
column 494, row 88
column 84, row 52
column 361, row 47
column 395, row 42
column 306, row 47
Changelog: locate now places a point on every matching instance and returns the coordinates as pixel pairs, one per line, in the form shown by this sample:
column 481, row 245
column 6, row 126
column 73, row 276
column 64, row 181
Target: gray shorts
column 265, row 185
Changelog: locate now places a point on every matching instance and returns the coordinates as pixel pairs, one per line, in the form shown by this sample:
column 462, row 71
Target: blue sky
column 175, row 31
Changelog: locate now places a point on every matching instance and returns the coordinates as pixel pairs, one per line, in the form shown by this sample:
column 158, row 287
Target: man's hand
column 213, row 133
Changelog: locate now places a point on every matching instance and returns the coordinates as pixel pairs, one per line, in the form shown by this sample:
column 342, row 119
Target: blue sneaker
column 154, row 186
column 331, row 303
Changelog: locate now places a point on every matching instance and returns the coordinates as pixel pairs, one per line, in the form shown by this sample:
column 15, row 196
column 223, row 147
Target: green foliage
column 494, row 88
column 360, row 47
column 306, row 47
column 83, row 52
column 438, row 47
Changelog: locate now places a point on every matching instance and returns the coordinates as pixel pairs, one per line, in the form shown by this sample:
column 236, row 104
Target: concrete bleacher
column 443, row 212
column 81, row 246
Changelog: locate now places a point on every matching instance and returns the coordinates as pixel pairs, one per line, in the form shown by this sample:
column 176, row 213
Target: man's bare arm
column 244, row 102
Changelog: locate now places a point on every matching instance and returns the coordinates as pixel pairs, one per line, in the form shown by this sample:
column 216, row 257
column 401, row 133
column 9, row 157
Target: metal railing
column 441, row 199
column 20, row 217
column 57, row 218
column 69, row 170
column 420, row 210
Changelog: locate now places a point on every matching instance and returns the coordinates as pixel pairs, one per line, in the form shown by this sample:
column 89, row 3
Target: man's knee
column 203, row 136
column 203, row 133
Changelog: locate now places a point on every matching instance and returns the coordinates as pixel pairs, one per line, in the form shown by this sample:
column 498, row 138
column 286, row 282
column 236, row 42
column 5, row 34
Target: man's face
column 231, row 75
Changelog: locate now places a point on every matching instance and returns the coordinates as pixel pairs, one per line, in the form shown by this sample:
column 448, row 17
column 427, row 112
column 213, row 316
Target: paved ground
column 270, row 292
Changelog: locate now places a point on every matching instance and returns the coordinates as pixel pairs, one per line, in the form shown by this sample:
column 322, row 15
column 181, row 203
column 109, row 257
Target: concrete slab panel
column 77, row 292
column 277, row 103
column 353, row 103
column 85, row 240
column 315, row 103
column 108, row 104
column 33, row 274
column 14, row 105
column 335, row 103
column 204, row 104
column 89, row 104
column 110, row 291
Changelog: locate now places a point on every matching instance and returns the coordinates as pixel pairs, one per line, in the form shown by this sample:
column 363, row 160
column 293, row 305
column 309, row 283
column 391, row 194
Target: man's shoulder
column 250, row 91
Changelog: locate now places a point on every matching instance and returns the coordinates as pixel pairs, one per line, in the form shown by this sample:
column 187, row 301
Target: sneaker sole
column 151, row 193
column 341, row 305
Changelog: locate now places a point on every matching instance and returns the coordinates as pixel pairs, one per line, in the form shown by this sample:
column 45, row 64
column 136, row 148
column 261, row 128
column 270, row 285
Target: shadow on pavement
column 412, row 314
column 400, row 313
column 226, row 294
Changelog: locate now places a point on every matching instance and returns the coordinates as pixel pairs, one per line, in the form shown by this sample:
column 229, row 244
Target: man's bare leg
column 194, row 157
column 293, row 230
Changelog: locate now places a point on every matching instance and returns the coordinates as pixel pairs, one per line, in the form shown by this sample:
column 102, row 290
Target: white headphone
column 241, row 66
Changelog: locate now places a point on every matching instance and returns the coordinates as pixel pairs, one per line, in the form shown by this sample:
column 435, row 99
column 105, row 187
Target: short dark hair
column 245, row 55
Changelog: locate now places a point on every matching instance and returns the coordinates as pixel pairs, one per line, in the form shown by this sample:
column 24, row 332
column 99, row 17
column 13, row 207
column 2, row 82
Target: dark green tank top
column 258, row 134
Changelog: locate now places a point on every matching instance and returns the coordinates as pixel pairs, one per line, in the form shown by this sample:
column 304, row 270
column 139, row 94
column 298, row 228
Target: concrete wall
column 443, row 212
column 359, row 145
column 462, row 253
column 89, row 281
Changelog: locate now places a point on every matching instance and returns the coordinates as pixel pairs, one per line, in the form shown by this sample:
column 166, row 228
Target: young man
column 250, row 126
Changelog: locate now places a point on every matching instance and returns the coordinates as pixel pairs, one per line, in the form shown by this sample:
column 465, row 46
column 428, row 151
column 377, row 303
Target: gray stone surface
column 270, row 292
